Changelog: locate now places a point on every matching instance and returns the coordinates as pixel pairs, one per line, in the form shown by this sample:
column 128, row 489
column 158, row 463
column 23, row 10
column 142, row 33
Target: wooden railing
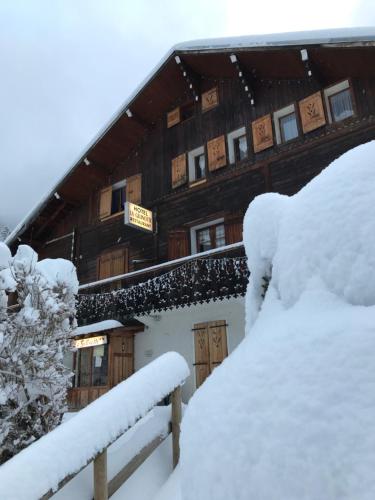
column 161, row 378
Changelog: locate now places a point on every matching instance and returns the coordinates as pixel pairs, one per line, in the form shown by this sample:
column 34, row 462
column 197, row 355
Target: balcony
column 196, row 279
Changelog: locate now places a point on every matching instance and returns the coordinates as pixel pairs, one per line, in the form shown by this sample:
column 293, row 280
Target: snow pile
column 70, row 446
column 100, row 326
column 289, row 415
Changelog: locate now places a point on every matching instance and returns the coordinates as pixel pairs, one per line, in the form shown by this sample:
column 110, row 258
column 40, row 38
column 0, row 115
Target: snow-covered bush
column 289, row 414
column 34, row 335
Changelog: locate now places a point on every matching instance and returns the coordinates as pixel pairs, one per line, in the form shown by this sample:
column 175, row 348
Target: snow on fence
column 43, row 467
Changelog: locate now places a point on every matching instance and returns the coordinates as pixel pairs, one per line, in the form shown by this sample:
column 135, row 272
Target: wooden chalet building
column 217, row 123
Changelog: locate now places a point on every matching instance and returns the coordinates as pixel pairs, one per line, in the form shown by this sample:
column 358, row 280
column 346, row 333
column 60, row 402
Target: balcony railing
column 183, row 282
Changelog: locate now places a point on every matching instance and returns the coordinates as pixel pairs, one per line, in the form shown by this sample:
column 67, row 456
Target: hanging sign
column 138, row 217
column 90, row 342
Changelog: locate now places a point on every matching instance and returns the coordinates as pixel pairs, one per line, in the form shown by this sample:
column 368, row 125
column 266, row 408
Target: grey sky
column 68, row 65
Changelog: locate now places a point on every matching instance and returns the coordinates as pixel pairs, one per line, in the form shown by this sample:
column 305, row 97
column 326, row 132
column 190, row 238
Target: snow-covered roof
column 298, row 38
column 101, row 326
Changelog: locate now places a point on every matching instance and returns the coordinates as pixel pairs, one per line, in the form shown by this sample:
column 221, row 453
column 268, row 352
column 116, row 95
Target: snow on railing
column 44, row 466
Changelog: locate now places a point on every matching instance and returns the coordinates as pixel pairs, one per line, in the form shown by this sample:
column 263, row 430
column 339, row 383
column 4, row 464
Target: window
column 92, row 366
column 118, row 198
column 187, row 111
column 197, row 165
column 237, row 145
column 112, row 198
column 339, row 102
column 207, row 236
column 285, row 121
column 240, row 148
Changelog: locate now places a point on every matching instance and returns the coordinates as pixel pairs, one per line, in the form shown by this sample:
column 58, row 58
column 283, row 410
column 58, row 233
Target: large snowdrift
column 289, row 415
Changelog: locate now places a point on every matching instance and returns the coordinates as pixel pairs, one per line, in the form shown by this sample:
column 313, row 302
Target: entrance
column 211, row 348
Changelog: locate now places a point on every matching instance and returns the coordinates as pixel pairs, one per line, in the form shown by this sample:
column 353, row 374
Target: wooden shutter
column 178, row 244
column 113, row 263
column 122, row 358
column 134, row 189
column 233, row 228
column 179, row 172
column 210, row 99
column 202, row 357
column 217, row 339
column 217, row 156
column 105, row 202
column 173, row 117
column 312, row 112
column 262, row 133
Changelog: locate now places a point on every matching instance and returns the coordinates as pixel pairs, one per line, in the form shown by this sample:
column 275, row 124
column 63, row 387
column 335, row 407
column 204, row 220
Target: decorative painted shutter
column 216, row 151
column 210, row 99
column 178, row 244
column 202, row 358
column 262, row 133
column 217, row 340
column 134, row 189
column 312, row 112
column 233, row 228
column 173, row 117
column 105, row 202
column 179, row 172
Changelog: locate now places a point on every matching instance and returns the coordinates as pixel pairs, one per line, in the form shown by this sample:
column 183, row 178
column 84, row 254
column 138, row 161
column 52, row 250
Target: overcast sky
column 68, row 65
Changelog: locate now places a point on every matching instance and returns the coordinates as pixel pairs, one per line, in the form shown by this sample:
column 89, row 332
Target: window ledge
column 112, row 216
column 197, row 183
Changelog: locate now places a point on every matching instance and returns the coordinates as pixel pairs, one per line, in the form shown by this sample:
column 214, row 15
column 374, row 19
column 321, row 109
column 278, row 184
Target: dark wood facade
column 165, row 122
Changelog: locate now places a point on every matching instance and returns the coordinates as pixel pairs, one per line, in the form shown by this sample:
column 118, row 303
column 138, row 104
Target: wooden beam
column 244, row 77
column 119, row 479
column 100, row 476
column 192, row 79
column 176, row 401
column 56, row 213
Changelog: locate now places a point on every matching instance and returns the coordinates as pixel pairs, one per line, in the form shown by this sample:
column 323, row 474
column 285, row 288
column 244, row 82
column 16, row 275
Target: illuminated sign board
column 138, row 217
column 90, row 342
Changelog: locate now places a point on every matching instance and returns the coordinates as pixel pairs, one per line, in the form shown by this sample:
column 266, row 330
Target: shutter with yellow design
column 217, row 340
column 202, row 357
column 134, row 189
column 105, row 202
column 216, row 151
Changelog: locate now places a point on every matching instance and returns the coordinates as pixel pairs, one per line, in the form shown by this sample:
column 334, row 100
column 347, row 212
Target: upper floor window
column 112, row 198
column 207, row 236
column 285, row 121
column 197, row 164
column 339, row 102
column 237, row 145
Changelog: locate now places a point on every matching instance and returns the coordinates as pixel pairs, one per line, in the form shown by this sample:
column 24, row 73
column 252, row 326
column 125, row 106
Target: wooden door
column 210, row 340
column 122, row 358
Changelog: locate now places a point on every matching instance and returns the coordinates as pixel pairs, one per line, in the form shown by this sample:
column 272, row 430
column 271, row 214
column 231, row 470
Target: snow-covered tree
column 4, row 232
column 34, row 335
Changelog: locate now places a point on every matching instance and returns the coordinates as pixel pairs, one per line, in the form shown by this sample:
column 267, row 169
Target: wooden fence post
column 100, row 476
column 176, row 420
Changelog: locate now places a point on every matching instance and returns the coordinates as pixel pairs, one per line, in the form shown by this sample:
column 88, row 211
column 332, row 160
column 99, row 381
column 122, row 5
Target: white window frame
column 119, row 185
column 191, row 163
column 194, row 229
column 280, row 113
column 232, row 136
column 332, row 90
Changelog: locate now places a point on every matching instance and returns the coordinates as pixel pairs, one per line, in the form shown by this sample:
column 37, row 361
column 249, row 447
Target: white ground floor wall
column 173, row 331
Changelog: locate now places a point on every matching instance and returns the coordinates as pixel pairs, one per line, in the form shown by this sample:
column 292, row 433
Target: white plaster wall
column 172, row 331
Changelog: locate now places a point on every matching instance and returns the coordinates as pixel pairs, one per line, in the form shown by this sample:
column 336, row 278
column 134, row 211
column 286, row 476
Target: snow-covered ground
column 289, row 415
